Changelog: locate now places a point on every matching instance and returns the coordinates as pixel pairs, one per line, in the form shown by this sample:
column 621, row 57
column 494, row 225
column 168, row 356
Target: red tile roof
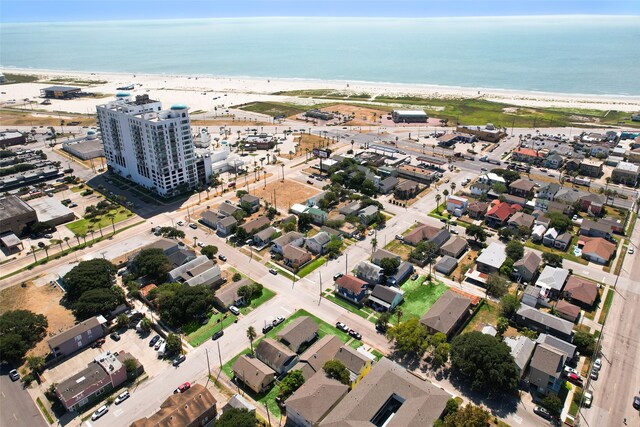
column 599, row 246
column 582, row 290
column 351, row 283
column 527, row 152
column 502, row 211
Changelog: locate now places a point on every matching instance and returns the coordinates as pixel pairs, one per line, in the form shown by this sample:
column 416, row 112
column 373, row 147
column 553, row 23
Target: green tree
column 122, row 321
column 585, row 343
column 98, row 301
column 484, row 362
column 515, row 250
column 410, row 337
column 389, row 265
column 289, row 384
column 145, row 324
column 497, row 285
column 334, row 246
column 237, row 418
column 553, row 404
column 508, row 175
column 20, row 330
column 383, row 320
column 236, row 277
column 477, row 232
column 171, row 233
column 35, row 364
column 87, row 275
column 210, row 251
column 505, row 233
column 304, row 221
column 131, row 366
column 499, row 188
column 451, row 407
column 183, row 304
column 467, row 416
column 174, row 345
column 241, row 234
column 559, row 221
column 335, row 369
column 152, row 263
column 441, row 354
column 509, row 304
column 502, row 326
column 289, row 226
column 553, row 260
column 251, row 334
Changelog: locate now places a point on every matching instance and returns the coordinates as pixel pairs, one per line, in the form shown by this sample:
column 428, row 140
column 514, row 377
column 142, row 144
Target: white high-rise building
column 149, row 146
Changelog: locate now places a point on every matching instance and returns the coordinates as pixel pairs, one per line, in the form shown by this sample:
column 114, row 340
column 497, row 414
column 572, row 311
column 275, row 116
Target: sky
column 106, row 10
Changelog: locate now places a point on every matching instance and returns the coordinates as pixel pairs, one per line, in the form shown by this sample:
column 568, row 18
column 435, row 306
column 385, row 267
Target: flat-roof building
column 51, row 211
column 85, row 150
column 60, row 92
column 487, row 133
column 409, row 116
column 12, row 138
column 15, row 215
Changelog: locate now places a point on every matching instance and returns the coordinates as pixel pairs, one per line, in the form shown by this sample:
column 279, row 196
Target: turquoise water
column 589, row 55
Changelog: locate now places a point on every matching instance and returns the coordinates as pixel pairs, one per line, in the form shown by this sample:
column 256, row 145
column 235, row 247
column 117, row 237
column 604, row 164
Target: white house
column 318, row 243
column 550, row 237
column 457, row 205
column 538, row 232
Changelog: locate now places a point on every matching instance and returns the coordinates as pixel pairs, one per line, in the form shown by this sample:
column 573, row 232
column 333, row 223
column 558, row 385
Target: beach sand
column 198, row 92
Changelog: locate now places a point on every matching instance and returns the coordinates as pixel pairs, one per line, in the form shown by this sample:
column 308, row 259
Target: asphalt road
column 17, row 408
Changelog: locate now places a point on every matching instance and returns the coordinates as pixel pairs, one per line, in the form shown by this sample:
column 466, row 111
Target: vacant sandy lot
column 287, row 193
column 42, row 300
column 363, row 116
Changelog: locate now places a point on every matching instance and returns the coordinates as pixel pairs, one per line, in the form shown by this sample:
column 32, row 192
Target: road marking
column 118, row 412
column 284, row 309
column 14, row 416
column 517, row 419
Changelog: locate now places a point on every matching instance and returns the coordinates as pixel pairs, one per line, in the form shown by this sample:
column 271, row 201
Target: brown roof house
column 522, row 188
column 454, row 247
column 391, row 396
column 256, row 225
column 276, row 355
column 406, row 189
column 295, row 257
column 351, row 288
column 597, row 249
column 447, row 314
column 567, row 311
column 195, row 407
column 581, row 291
column 253, row 373
column 228, row 294
column 356, row 363
column 308, row 405
column 319, row 353
column 527, row 267
column 298, row 333
column 478, row 209
column 427, row 232
column 545, row 369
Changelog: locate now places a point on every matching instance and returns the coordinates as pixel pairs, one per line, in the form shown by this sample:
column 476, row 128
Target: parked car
column 597, row 364
column 234, row 310
column 277, row 321
column 575, row 379
column 154, row 340
column 399, row 237
column 337, row 276
column 182, row 387
column 222, row 257
column 370, row 233
column 73, row 205
column 594, row 375
column 414, row 276
column 48, row 236
column 539, row 410
column 273, row 271
column 159, row 344
column 115, row 336
column 122, row 397
column 266, row 328
column 309, row 182
column 98, row 343
column 192, row 225
column 99, row 412
column 14, row 375
column 588, row 398
column 636, row 402
column 569, row 370
column 342, row 327
column 200, row 245
column 217, row 335
column 178, row 360
column 355, row 334
column 180, row 223
column 630, row 251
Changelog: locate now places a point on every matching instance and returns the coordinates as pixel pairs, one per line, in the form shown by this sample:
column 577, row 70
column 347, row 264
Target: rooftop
column 180, row 409
column 493, row 255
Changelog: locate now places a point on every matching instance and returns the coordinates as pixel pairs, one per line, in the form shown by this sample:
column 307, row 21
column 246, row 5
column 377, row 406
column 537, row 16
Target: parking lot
column 130, row 341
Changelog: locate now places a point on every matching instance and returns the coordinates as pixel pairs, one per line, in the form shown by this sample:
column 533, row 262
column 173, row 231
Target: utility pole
column 320, row 297
column 208, row 365
column 346, row 262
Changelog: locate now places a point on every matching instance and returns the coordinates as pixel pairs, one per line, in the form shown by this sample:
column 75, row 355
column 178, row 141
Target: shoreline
column 265, row 87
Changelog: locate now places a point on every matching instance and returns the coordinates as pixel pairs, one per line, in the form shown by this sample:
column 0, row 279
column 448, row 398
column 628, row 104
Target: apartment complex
column 150, row 146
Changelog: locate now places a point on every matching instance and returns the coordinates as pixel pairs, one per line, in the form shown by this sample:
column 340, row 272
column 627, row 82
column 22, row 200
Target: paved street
column 16, row 406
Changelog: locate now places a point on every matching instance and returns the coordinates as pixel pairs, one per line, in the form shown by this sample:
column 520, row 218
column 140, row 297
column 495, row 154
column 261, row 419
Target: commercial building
column 60, row 92
column 196, row 407
column 318, row 114
column 149, row 146
column 12, row 138
column 626, row 173
column 15, row 215
column 409, row 116
column 85, row 150
column 51, row 211
column 488, row 133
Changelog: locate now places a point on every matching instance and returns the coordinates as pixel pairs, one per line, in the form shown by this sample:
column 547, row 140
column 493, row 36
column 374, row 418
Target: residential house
column 380, row 254
column 491, row 258
column 568, row 196
column 567, row 311
column 386, row 185
column 544, row 323
column 592, row 168
column 552, row 280
column 226, row 226
column 385, row 298
column 532, row 296
column 369, row 272
column 368, row 214
column 200, row 271
column 554, row 161
column 550, row 237
column 527, row 155
column 591, row 228
column 320, row 352
column 258, row 224
column 545, row 369
column 298, row 209
column 356, row 363
column 318, row 216
column 457, row 206
column 427, row 232
column 276, row 355
column 237, row 401
column 447, row 314
column 252, row 201
column 318, row 243
column 313, row 201
column 563, row 241
column 351, row 288
column 626, row 173
column 581, row 291
column 263, row 238
column 479, row 188
column 78, row 337
column 253, row 373
column 517, row 203
column 520, row 219
column 209, row 218
column 309, row 404
column 592, row 203
column 548, row 191
column 292, row 238
column 227, row 295
column 569, row 350
column 295, row 257
column 521, row 350
column 572, row 165
column 389, row 395
column 298, row 333
column 195, row 407
column 538, row 232
column 227, row 209
column 491, row 178
column 522, row 188
column 350, row 209
column 454, row 247
column 477, row 210
column 403, row 271
column 597, row 249
column 526, row 268
column 617, row 226
column 498, row 214
column 540, row 218
column 446, row 265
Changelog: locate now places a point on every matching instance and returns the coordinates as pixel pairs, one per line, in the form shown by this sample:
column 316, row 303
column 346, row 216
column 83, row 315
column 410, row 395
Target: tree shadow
column 499, row 404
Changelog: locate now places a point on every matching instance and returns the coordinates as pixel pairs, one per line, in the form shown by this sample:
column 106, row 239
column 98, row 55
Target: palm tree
column 398, row 312
column 251, row 334
column 446, row 193
column 66, row 240
column 438, row 198
column 33, row 251
column 57, row 242
column 46, row 250
column 112, row 217
column 453, row 187
column 77, row 236
column 268, row 156
column 374, row 244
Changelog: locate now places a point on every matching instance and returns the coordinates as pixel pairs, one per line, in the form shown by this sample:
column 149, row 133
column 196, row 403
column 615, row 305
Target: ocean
column 580, row 55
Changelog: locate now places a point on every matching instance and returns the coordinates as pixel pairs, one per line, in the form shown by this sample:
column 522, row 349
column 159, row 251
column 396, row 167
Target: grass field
column 399, row 248
column 311, row 266
column 347, row 305
column 20, row 78
column 607, row 305
column 81, row 226
column 257, row 302
column 419, row 297
column 486, row 315
column 205, row 332
column 274, row 109
column 565, row 255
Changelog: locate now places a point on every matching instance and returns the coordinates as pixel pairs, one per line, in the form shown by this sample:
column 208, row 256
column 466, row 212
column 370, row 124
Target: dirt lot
column 39, row 299
column 467, row 259
column 287, row 193
column 363, row 116
column 308, row 142
column 227, row 122
column 19, row 118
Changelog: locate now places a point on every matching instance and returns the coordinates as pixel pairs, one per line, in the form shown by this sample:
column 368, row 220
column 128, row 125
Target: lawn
column 346, row 305
column 311, row 266
column 197, row 335
column 81, row 226
column 565, row 255
column 486, row 315
column 420, row 298
column 399, row 248
column 607, row 305
column 280, row 270
column 255, row 303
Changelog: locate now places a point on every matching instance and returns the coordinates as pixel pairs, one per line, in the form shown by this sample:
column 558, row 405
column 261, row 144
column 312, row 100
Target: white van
column 162, row 350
